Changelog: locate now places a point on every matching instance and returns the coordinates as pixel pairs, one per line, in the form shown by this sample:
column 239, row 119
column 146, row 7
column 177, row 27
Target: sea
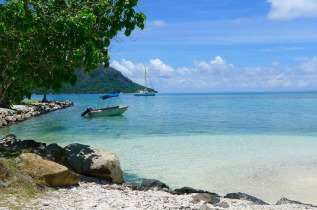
column 262, row 144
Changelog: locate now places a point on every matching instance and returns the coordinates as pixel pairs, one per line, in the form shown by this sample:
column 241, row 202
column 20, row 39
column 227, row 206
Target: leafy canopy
column 43, row 42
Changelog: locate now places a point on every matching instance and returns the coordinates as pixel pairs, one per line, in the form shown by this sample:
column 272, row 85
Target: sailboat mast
column 145, row 78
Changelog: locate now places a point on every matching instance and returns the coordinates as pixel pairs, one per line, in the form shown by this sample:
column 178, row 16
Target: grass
column 16, row 187
column 30, row 102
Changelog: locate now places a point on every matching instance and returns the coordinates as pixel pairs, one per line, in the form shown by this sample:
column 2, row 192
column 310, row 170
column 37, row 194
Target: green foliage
column 101, row 80
column 30, row 102
column 43, row 42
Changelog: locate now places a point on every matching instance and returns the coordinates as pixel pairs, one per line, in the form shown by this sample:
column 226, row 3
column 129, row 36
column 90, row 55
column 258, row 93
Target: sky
column 222, row 46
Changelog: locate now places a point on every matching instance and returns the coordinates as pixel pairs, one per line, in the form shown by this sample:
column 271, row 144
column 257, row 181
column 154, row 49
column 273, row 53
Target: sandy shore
column 105, row 196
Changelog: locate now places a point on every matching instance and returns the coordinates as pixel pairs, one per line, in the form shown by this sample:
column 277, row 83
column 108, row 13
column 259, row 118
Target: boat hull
column 110, row 111
column 144, row 94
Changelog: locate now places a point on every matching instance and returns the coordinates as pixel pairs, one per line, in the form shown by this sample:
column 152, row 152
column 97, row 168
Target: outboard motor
column 87, row 111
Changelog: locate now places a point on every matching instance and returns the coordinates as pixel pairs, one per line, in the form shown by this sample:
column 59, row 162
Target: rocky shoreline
column 19, row 113
column 85, row 177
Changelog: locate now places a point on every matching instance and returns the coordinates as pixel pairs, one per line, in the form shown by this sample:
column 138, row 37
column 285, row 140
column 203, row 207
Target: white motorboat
column 145, row 92
column 108, row 111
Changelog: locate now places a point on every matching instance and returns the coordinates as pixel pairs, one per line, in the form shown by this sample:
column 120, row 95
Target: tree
column 43, row 42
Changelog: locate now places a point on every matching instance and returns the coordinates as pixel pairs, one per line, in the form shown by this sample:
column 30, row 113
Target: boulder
column 53, row 152
column 189, row 190
column 284, row 201
column 206, row 198
column 244, row 196
column 53, row 173
column 148, row 184
column 95, row 162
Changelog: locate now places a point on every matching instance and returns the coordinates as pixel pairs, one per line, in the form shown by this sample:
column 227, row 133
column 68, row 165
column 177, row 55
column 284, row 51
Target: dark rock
column 28, row 144
column 284, row 201
column 222, row 205
column 244, row 196
column 10, row 146
column 95, row 162
column 204, row 207
column 205, row 197
column 189, row 190
column 53, row 152
column 148, row 184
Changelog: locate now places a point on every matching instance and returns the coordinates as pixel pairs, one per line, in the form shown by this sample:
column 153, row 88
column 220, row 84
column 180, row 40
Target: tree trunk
column 44, row 97
column 3, row 102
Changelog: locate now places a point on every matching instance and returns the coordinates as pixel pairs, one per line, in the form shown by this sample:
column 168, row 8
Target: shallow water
column 264, row 144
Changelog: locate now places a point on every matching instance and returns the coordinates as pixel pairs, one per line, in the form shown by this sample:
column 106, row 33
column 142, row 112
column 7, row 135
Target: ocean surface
column 263, row 144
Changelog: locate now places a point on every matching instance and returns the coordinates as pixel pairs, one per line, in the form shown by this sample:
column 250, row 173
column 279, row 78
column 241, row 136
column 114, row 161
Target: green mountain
column 102, row 80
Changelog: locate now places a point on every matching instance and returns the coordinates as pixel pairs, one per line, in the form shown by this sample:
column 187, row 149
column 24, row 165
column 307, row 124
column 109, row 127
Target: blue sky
column 223, row 45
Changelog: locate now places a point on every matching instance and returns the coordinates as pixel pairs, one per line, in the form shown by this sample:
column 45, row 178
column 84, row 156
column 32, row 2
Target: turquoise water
column 264, row 144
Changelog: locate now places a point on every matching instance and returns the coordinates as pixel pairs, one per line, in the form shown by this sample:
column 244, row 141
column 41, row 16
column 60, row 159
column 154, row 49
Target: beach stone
column 8, row 140
column 148, row 184
column 130, row 186
column 222, row 205
column 204, row 207
column 95, row 162
column 205, row 197
column 284, row 201
column 3, row 122
column 244, row 196
column 189, row 190
column 27, row 115
column 11, row 118
column 53, row 173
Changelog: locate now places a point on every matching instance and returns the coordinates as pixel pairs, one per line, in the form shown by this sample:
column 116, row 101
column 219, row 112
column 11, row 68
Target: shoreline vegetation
column 19, row 113
column 83, row 177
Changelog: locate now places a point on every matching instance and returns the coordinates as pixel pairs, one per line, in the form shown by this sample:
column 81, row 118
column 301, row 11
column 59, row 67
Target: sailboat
column 144, row 92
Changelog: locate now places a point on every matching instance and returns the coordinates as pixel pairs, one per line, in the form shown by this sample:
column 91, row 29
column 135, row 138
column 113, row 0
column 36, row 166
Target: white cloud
column 157, row 24
column 218, row 75
column 218, row 66
column 291, row 9
column 275, row 63
column 161, row 68
column 155, row 67
column 309, row 66
column 124, row 68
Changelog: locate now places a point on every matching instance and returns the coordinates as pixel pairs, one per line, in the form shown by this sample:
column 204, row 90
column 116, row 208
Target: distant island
column 102, row 80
